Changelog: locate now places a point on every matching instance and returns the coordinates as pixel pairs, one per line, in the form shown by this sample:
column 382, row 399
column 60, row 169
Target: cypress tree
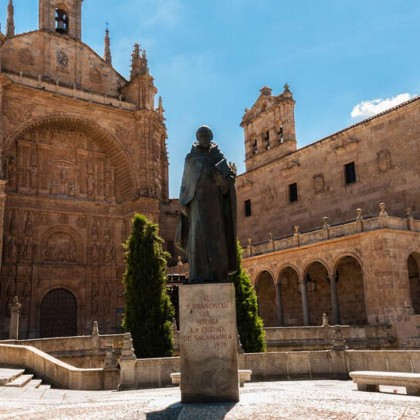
column 250, row 324
column 148, row 309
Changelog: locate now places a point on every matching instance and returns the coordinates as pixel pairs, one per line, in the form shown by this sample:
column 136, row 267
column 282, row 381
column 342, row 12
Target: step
column 44, row 387
column 34, row 383
column 20, row 381
column 8, row 375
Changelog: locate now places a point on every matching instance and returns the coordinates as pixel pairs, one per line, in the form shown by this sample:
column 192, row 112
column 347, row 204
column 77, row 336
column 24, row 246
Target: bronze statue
column 207, row 225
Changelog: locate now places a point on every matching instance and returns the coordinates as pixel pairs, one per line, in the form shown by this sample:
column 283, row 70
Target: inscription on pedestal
column 208, row 343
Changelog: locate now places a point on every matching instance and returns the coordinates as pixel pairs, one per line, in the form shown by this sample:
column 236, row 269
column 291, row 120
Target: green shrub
column 250, row 324
column 148, row 310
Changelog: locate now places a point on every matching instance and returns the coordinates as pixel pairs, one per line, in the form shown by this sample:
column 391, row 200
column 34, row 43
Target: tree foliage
column 148, row 310
column 250, row 324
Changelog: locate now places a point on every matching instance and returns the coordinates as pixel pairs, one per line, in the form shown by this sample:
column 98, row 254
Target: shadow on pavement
column 192, row 412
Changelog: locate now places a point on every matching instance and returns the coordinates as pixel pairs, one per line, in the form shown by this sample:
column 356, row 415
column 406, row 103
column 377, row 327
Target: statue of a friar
column 207, row 225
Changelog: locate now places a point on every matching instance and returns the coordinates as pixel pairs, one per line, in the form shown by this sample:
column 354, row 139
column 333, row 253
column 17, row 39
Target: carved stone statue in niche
column 29, row 225
column 109, row 182
column 95, row 230
column 107, row 233
column 94, row 254
column 107, row 295
column 27, row 249
column 33, row 175
column 109, row 254
column 94, row 298
column 12, row 250
column 13, row 226
column 90, row 185
column 12, row 173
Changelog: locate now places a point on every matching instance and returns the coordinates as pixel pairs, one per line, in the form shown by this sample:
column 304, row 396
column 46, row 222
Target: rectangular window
column 350, row 173
column 293, row 193
column 247, row 205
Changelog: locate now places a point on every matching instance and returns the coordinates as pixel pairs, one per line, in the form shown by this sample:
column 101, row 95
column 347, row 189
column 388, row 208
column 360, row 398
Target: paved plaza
column 323, row 399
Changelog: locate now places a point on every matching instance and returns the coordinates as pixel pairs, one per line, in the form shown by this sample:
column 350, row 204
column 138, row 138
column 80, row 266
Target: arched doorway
column 350, row 290
column 266, row 293
column 290, row 297
column 58, row 316
column 318, row 291
column 414, row 280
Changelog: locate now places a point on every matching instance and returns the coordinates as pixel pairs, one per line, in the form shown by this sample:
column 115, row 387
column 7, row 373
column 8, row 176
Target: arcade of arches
column 355, row 280
column 291, row 301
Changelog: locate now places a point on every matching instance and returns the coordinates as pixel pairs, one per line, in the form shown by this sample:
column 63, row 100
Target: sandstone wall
column 384, row 150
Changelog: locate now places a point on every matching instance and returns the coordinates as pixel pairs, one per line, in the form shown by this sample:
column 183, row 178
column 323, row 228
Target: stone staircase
column 19, row 379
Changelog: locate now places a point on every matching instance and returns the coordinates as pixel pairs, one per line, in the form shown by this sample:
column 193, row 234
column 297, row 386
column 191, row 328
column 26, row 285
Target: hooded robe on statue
column 207, row 225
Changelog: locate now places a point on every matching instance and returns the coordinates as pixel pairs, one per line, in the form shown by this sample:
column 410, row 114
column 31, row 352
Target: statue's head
column 204, row 136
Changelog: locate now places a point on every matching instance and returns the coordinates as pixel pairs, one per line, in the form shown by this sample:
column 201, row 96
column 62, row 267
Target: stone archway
column 266, row 293
column 414, row 280
column 290, row 297
column 58, row 315
column 318, row 292
column 350, row 290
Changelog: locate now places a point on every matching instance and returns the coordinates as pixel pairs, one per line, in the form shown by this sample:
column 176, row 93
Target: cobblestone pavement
column 324, row 399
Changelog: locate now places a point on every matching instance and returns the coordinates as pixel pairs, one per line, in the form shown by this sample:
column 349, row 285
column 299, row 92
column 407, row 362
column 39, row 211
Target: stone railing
column 359, row 224
column 71, row 92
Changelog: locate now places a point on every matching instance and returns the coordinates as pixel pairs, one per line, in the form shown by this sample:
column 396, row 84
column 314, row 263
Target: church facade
column 82, row 149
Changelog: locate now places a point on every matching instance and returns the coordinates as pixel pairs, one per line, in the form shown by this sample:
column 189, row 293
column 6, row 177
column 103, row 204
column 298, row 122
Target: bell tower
column 61, row 16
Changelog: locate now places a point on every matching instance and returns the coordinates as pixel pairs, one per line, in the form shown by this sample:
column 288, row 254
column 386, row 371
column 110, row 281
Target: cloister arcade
column 342, row 278
column 300, row 296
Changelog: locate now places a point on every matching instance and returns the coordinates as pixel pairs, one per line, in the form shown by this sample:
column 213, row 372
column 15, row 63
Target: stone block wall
column 383, row 149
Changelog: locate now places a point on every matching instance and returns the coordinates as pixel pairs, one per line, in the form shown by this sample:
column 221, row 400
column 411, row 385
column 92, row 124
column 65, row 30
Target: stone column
column 14, row 319
column 279, row 305
column 305, row 306
column 334, row 300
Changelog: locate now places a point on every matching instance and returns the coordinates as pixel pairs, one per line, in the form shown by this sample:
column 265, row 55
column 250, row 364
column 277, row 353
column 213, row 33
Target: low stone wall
column 56, row 372
column 319, row 338
column 148, row 373
column 153, row 373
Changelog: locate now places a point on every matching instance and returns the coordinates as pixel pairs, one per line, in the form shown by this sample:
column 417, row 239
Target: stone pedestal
column 14, row 319
column 208, row 343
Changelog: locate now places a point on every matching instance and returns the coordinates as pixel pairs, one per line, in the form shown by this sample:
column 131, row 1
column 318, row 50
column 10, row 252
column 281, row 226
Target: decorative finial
column 160, row 109
column 107, row 50
column 10, row 19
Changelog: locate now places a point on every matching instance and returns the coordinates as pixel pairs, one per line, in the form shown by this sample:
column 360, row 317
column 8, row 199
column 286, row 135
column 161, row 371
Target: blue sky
column 210, row 58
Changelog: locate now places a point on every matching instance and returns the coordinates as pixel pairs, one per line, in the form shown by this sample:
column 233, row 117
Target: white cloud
column 367, row 109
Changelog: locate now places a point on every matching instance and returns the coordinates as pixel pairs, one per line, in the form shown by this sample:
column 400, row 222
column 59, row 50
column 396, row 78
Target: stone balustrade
column 324, row 233
column 383, row 221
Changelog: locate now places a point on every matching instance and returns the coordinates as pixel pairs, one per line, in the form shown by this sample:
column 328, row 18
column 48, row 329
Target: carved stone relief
column 26, row 57
column 95, row 75
column 60, row 248
column 51, row 162
column 383, row 160
column 319, row 183
column 269, row 198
